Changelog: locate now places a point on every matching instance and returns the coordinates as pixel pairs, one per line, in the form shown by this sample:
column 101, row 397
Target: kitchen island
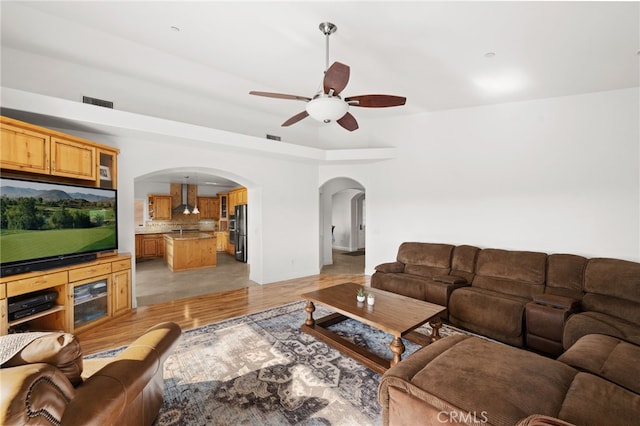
column 189, row 250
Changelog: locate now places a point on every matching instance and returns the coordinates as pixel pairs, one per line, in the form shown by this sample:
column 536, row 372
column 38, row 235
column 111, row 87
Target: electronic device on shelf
column 32, row 303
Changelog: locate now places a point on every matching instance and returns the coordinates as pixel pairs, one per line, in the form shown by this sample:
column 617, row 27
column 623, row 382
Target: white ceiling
column 434, row 53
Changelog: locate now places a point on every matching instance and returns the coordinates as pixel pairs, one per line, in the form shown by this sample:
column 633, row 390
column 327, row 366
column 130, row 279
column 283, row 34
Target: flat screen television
column 46, row 225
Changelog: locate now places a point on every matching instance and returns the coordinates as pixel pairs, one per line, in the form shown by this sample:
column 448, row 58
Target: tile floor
column 155, row 283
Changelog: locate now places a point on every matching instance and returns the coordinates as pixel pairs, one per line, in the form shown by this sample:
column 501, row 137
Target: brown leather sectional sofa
column 588, row 310
column 48, row 382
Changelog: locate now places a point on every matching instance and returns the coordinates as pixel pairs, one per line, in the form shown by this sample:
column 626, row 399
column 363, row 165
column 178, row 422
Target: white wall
column 342, row 218
column 552, row 175
column 555, row 175
column 283, row 211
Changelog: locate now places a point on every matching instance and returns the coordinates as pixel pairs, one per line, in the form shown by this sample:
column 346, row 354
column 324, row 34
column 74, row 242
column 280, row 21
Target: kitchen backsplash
column 184, row 221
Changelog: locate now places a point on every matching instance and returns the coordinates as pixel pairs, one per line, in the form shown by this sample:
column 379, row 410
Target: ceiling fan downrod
column 327, row 28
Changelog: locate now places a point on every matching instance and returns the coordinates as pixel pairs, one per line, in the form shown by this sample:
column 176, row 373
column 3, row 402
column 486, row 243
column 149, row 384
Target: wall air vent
column 96, row 101
column 273, row 137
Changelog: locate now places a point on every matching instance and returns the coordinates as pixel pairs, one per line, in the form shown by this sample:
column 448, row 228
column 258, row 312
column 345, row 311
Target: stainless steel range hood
column 183, row 201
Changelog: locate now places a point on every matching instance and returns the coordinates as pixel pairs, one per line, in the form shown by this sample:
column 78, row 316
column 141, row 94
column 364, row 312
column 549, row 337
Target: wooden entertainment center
column 87, row 293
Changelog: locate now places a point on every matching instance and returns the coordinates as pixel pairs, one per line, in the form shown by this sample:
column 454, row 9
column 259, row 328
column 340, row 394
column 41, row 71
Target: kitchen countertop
column 157, row 230
column 188, row 235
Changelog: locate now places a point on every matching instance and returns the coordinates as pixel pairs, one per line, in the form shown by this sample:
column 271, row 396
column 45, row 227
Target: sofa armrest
column 451, row 279
column 555, row 301
column 390, row 267
column 34, row 394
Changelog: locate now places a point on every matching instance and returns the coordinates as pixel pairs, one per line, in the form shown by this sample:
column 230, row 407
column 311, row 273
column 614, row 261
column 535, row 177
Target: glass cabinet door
column 90, row 302
column 107, row 172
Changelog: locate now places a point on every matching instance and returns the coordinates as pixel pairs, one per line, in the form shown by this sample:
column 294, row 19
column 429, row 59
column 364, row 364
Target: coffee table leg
column 397, row 347
column 435, row 330
column 310, row 308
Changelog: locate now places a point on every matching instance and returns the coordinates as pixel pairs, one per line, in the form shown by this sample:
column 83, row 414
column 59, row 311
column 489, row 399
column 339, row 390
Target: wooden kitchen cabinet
column 236, row 197
column 209, row 207
column 73, row 159
column 29, row 149
column 224, row 205
column 120, row 286
column 24, row 150
column 222, row 241
column 138, row 246
column 152, row 245
column 160, row 207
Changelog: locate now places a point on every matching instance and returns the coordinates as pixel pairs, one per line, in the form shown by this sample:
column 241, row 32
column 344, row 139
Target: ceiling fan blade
column 376, row 101
column 336, row 78
column 295, row 118
column 280, row 96
column 348, row 121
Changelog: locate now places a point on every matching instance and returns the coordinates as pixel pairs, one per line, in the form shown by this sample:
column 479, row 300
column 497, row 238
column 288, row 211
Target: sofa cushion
column 565, row 275
column 425, row 254
column 613, row 277
column 592, row 400
column 404, row 284
column 517, row 273
column 499, row 316
column 463, row 262
column 584, row 323
column 425, row 271
column 472, row 375
column 607, row 357
column 623, row 309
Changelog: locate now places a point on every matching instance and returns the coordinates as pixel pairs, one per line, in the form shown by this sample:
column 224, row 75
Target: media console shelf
column 87, row 294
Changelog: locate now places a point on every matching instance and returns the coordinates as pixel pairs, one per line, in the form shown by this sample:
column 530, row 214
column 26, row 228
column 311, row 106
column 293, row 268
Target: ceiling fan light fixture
column 327, row 108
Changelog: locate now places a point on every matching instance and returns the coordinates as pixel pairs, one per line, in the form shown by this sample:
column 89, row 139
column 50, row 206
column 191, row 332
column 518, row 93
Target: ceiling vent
column 96, row 101
column 273, row 137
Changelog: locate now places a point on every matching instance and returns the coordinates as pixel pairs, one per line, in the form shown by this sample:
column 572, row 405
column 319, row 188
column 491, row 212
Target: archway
column 349, row 196
column 209, row 183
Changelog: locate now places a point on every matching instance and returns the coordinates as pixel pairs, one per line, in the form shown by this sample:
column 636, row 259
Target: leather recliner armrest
column 390, row 267
column 106, row 396
column 555, row 301
column 34, row 394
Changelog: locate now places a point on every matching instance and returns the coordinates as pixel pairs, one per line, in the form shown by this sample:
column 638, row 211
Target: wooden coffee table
column 392, row 313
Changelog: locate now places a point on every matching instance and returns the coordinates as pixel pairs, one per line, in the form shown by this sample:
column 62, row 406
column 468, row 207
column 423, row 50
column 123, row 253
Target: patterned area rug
column 260, row 369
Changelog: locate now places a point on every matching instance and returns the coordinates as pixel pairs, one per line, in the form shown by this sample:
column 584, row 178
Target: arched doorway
column 342, row 217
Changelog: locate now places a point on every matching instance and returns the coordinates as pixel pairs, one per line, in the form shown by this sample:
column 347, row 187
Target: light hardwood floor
column 199, row 310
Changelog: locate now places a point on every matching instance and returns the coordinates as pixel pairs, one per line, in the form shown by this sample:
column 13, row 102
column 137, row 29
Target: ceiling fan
column 327, row 105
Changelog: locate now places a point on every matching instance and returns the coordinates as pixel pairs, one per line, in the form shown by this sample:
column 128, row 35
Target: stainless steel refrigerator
column 241, row 233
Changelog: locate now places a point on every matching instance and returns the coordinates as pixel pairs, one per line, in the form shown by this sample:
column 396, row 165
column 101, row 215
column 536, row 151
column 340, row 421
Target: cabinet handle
column 54, row 164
